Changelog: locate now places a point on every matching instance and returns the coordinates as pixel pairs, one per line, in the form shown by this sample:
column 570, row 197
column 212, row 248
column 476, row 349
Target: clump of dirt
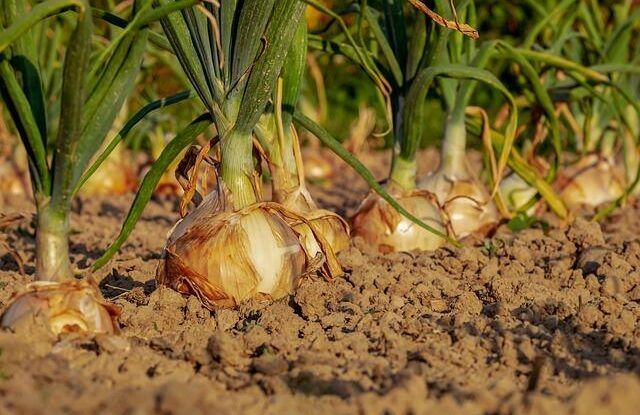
column 542, row 321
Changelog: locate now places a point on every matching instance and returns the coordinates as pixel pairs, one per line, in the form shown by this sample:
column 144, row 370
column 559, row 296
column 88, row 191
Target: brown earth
column 543, row 321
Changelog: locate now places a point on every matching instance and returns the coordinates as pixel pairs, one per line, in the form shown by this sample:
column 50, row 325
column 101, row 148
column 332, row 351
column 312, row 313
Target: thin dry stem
column 463, row 28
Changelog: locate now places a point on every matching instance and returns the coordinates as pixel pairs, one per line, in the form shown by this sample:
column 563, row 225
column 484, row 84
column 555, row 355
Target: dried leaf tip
column 454, row 24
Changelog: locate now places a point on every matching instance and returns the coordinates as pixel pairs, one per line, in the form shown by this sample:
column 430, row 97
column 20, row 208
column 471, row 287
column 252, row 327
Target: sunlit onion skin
column 335, row 229
column 591, row 181
column 10, row 183
column 382, row 227
column 115, row 176
column 225, row 257
column 465, row 203
column 67, row 306
column 14, row 173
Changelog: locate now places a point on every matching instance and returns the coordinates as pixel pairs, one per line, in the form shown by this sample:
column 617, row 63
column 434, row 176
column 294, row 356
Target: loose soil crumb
column 528, row 323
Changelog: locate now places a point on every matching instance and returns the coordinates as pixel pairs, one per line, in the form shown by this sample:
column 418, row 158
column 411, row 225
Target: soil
column 542, row 321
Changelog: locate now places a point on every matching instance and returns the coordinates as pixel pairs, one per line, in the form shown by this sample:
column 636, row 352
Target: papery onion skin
column 592, row 181
column 382, row 227
column 67, row 306
column 470, row 209
column 226, row 257
column 335, row 229
column 465, row 203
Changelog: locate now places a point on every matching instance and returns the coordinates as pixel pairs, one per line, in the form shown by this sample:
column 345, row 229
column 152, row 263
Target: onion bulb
column 11, row 182
column 68, row 306
column 465, row 203
column 330, row 225
column 382, row 227
column 591, row 181
column 115, row 176
column 13, row 171
column 225, row 257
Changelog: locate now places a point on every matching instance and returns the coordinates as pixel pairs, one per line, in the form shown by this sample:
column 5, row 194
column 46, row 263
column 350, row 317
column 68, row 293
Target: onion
column 330, row 225
column 315, row 18
column 115, row 176
column 591, row 181
column 317, row 166
column 11, row 183
column 382, row 227
column 67, row 306
column 464, row 202
column 225, row 257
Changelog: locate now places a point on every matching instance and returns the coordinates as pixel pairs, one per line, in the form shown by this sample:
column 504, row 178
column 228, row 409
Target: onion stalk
column 452, row 200
column 281, row 144
column 234, row 246
column 601, row 98
column 92, row 93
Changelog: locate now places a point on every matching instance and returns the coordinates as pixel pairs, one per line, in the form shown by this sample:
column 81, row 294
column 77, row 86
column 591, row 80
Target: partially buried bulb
column 382, row 227
column 64, row 307
column 591, row 181
column 225, row 257
column 464, row 202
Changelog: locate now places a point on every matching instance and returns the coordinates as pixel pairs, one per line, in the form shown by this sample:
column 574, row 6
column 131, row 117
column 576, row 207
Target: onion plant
column 233, row 54
column 585, row 54
column 235, row 246
column 279, row 140
column 413, row 51
column 94, row 84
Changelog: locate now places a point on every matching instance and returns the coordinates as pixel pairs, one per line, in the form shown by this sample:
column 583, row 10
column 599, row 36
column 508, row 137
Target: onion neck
column 607, row 144
column 403, row 173
column 284, row 172
column 52, row 242
column 237, row 167
column 454, row 148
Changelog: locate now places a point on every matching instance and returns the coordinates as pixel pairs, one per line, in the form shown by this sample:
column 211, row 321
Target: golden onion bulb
column 328, row 224
column 591, row 181
column 225, row 257
column 382, row 227
column 115, row 176
column 11, row 183
column 68, row 306
column 465, row 203
column 14, row 172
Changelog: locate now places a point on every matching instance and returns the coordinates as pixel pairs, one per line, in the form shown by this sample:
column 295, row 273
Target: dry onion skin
column 382, row 227
column 592, row 181
column 335, row 229
column 225, row 257
column 64, row 307
column 466, row 204
column 13, row 173
column 11, row 182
